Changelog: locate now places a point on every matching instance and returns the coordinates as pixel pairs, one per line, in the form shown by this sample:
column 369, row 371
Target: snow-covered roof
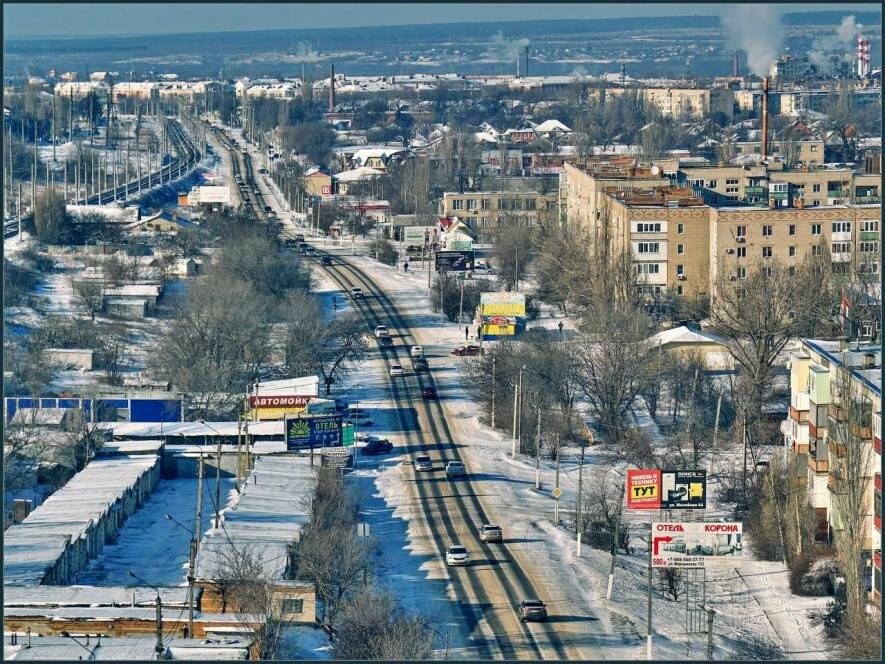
column 32, row 546
column 552, row 125
column 44, row 416
column 64, row 649
column 132, row 290
column 684, row 335
column 303, row 385
column 188, row 429
column 358, row 174
column 51, row 596
column 269, row 515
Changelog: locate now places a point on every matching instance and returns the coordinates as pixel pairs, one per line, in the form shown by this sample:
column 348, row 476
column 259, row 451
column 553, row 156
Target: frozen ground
column 152, row 546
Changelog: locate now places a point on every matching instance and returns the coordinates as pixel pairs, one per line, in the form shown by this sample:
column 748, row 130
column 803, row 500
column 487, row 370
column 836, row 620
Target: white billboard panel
column 213, row 194
column 696, row 544
column 416, row 234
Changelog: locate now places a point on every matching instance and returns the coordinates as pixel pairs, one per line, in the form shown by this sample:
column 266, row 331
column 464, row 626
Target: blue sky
column 72, row 20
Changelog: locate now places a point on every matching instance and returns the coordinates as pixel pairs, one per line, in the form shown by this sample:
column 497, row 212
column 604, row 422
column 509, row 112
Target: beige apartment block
column 482, row 211
column 695, row 102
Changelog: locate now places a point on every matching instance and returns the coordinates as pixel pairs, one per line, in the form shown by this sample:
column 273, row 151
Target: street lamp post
column 217, row 474
column 159, row 649
column 191, row 562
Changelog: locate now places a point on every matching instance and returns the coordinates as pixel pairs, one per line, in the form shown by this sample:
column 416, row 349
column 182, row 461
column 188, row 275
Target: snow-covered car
column 457, row 555
column 455, row 469
column 416, row 352
column 491, row 533
column 358, row 417
column 397, row 370
column 423, row 463
column 380, row 331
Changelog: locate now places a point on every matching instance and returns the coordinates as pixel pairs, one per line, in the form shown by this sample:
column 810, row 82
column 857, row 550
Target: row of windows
column 866, row 226
column 650, row 227
column 503, row 204
column 838, row 268
column 648, row 247
column 836, row 248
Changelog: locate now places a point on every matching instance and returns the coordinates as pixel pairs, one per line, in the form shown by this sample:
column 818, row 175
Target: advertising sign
column 279, row 401
column 666, row 489
column 454, row 261
column 317, row 431
column 643, row 489
column 340, row 457
column 502, row 304
column 696, row 544
column 326, row 190
column 416, row 234
column 459, row 245
column 213, row 194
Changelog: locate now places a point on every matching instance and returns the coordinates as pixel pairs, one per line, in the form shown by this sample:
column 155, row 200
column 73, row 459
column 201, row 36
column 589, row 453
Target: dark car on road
column 420, row 364
column 377, row 446
column 386, row 341
column 429, row 392
column 289, row 242
column 532, row 609
column 326, row 260
column 461, row 351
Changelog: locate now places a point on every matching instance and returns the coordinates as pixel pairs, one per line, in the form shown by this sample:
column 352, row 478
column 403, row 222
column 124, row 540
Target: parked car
column 299, row 237
column 326, row 260
column 356, row 292
column 461, row 351
column 416, row 352
column 310, row 251
column 455, row 469
column 457, row 555
column 423, row 463
column 429, row 392
column 380, row 331
column 268, row 208
column 377, row 446
column 358, row 416
column 490, row 533
column 397, row 370
column 289, row 242
column 386, row 341
column 532, row 609
column 420, row 364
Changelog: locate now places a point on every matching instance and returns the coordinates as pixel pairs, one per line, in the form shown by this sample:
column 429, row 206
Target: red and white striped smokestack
column 332, row 91
column 863, row 57
column 765, row 118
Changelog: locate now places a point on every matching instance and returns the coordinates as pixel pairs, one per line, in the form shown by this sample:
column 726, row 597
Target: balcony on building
column 818, row 457
column 799, row 406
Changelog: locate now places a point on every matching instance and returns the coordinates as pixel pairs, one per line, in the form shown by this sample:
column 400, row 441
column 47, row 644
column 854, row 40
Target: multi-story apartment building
column 695, row 102
column 481, row 211
column 836, row 401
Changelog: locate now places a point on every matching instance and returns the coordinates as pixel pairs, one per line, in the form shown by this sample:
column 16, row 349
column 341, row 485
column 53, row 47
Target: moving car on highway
column 461, row 351
column 423, row 463
column 377, row 446
column 455, row 469
column 532, row 609
column 457, row 555
column 429, row 392
column 490, row 533
column 397, row 370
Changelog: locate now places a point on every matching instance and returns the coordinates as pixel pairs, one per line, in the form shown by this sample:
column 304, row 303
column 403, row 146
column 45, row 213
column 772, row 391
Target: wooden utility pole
column 538, row 453
column 218, row 484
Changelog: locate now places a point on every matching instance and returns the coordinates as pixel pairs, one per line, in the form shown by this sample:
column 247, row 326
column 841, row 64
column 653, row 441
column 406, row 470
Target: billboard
column 696, row 544
column 454, row 261
column 666, row 489
column 277, row 406
column 213, row 194
column 419, row 235
column 316, row 431
column 499, row 325
column 502, row 304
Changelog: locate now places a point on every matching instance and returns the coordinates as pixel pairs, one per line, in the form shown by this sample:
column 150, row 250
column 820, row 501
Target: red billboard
column 279, row 401
column 643, row 489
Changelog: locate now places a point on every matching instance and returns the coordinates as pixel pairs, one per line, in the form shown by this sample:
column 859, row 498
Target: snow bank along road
column 491, row 587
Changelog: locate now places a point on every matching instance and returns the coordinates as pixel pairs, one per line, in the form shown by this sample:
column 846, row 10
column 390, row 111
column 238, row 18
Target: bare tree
column 111, row 346
column 513, row 252
column 91, row 296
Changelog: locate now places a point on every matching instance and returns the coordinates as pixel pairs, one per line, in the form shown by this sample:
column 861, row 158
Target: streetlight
column 159, row 649
column 85, row 646
column 517, row 407
column 191, row 561
column 217, row 472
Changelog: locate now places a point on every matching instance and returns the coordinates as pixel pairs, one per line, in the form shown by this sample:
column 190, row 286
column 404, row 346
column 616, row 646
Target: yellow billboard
column 502, row 304
column 499, row 330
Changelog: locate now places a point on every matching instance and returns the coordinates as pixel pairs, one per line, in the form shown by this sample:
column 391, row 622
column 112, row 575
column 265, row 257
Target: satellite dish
column 655, row 170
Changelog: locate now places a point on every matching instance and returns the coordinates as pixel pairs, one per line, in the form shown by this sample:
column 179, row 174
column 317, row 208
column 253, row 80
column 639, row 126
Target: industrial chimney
column 863, row 57
column 332, row 91
column 526, row 60
column 734, row 65
column 765, row 118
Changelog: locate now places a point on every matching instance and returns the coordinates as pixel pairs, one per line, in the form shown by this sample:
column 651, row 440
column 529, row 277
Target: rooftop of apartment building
column 864, row 359
column 665, row 196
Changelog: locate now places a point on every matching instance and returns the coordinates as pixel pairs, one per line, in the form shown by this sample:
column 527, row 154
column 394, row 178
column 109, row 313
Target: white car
column 380, row 331
column 423, row 463
column 356, row 292
column 455, row 469
column 415, row 352
column 457, row 555
column 397, row 370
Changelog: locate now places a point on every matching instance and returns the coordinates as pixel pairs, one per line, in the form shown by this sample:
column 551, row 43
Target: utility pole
column 556, row 481
column 538, row 453
column 648, row 607
column 218, row 483
column 519, row 410
column 578, row 525
column 461, row 303
column 711, row 613
column 195, row 544
column 159, row 647
column 744, row 480
column 515, row 400
column 611, row 569
column 493, row 393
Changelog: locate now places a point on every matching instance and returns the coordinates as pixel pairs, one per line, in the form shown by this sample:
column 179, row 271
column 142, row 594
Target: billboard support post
column 611, row 569
column 710, row 615
column 648, row 610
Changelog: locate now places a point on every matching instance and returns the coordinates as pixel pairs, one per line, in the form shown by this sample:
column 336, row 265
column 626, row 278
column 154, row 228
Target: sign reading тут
column 696, row 544
column 666, row 489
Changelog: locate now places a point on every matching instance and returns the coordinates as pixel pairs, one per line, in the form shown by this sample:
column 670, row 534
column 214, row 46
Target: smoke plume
column 756, row 30
column 841, row 43
column 507, row 49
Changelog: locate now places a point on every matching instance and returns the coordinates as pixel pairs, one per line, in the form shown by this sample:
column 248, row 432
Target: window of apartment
column 680, row 270
column 680, row 289
column 779, row 187
column 815, row 229
column 815, row 188
column 486, row 204
column 648, row 227
column 471, row 203
column 731, row 190
column 791, row 230
column 869, row 247
column 457, row 203
column 517, row 204
column 766, row 252
column 841, row 247
column 741, row 252
column 649, row 247
column 530, row 204
column 742, row 273
column 549, row 205
column 293, row 605
column 816, row 250
column 870, row 268
column 815, row 203
column 767, row 231
column 741, row 231
column 680, row 229
column 841, row 226
column 696, row 184
column 791, row 250
column 791, row 270
column 711, row 184
column 767, row 271
column 729, row 182
column 812, row 148
column 647, row 268
column 869, row 226
column 680, row 249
